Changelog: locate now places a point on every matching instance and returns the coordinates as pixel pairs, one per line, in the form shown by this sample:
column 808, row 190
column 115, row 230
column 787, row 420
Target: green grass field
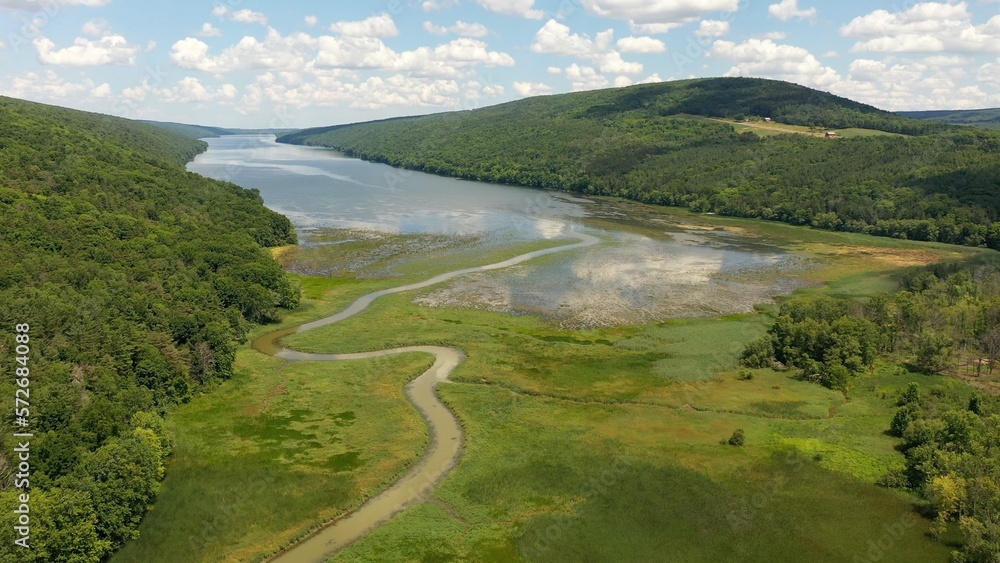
column 596, row 445
column 769, row 129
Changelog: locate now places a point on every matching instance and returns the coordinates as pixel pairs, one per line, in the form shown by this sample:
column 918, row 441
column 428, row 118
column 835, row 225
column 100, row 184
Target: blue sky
column 254, row 63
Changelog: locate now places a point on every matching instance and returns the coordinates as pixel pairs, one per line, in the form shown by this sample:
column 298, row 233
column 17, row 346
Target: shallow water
column 649, row 268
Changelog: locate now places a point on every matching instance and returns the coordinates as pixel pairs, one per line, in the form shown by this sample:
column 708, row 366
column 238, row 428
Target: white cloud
column 585, row 78
column 36, row 6
column 773, row 35
column 96, row 28
column 102, row 91
column 527, row 89
column 108, row 50
column 189, row 89
column 209, row 30
column 928, row 27
column 241, row 16
column 622, row 81
column 788, row 9
column 925, row 83
column 712, row 28
column 657, row 16
column 435, row 29
column 554, row 70
column 381, row 25
column 641, row 45
column 449, row 60
column 50, row 87
column 555, row 38
column 989, row 74
column 431, row 5
column 523, row 8
column 301, row 52
column 765, row 58
column 372, row 93
column 459, row 28
column 311, row 21
column 274, row 52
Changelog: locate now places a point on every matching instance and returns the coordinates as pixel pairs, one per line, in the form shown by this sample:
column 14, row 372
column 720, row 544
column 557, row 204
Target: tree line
column 138, row 280
column 945, row 318
column 927, row 181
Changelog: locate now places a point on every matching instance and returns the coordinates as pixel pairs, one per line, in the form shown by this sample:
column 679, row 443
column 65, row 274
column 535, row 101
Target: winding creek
column 636, row 268
column 445, row 432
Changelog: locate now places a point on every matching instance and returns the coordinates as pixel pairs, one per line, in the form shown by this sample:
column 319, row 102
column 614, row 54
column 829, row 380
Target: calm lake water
column 648, row 269
column 317, row 187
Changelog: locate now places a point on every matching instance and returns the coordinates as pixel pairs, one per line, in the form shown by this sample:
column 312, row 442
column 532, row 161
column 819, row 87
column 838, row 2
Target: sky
column 256, row 63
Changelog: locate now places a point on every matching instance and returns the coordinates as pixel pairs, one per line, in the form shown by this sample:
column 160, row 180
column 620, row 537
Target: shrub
column 738, row 438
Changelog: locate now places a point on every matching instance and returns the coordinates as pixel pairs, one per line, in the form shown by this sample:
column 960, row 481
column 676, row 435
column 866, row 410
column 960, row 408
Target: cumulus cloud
column 96, row 28
column 301, row 52
column 462, row 28
column 241, row 16
column 381, row 25
column 527, row 89
column 311, row 21
column 657, row 16
column 584, row 78
column 209, row 30
column 925, row 83
column 190, row 89
column 274, row 52
column 50, row 87
column 765, row 58
column 36, row 6
column 641, row 45
column 431, row 5
column 375, row 92
column 110, row 49
column 928, row 27
column 788, row 9
column 555, row 38
column 523, row 8
column 712, row 28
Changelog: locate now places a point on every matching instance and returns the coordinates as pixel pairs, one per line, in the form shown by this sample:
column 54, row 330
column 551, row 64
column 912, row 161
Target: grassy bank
column 581, row 444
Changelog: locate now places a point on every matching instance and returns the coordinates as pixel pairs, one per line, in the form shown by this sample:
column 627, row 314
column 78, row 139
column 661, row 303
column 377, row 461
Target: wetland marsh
column 584, row 437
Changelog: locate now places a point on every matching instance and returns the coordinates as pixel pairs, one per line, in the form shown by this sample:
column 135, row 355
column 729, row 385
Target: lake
column 648, row 268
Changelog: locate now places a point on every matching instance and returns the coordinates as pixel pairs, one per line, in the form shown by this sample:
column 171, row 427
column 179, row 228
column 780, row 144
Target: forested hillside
column 192, row 131
column 131, row 281
column 934, row 182
column 983, row 118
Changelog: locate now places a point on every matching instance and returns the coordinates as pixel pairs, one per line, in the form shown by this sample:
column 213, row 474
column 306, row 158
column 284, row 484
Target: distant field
column 765, row 129
column 581, row 445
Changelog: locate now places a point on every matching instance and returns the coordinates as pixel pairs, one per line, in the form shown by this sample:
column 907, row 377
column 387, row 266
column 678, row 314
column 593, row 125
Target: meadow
column 581, row 445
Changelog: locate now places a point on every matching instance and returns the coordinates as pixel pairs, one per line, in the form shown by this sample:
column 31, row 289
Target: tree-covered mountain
column 192, row 131
column 982, row 118
column 131, row 281
column 931, row 181
column 207, row 131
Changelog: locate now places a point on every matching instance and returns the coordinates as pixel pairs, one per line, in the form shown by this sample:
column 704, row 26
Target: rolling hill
column 207, row 131
column 983, row 118
column 128, row 281
column 651, row 143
